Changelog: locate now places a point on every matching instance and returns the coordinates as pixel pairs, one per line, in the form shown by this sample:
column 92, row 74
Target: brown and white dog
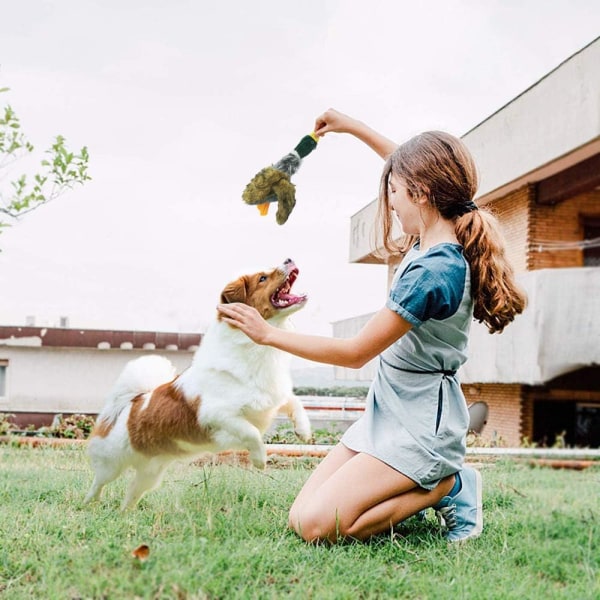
column 225, row 400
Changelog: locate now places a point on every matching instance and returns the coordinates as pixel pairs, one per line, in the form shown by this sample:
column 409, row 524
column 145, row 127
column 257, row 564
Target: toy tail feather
column 139, row 376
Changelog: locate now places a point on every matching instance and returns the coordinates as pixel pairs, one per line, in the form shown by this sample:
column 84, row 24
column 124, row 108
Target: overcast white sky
column 181, row 102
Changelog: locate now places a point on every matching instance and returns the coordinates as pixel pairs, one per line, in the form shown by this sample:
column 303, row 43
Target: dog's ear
column 235, row 291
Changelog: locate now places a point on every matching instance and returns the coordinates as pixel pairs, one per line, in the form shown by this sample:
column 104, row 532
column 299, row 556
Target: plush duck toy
column 273, row 183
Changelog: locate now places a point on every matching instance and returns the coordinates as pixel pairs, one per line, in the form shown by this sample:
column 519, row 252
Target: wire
column 558, row 245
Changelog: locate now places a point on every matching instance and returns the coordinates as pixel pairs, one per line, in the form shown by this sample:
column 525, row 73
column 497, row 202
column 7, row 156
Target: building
column 46, row 371
column 539, row 163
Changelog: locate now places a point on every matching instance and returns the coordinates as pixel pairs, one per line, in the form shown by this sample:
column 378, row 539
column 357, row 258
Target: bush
column 338, row 391
column 284, row 434
column 76, row 427
column 6, row 425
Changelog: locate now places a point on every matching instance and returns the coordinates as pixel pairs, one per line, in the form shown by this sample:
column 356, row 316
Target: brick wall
column 527, row 418
column 504, row 418
column 560, row 222
column 513, row 212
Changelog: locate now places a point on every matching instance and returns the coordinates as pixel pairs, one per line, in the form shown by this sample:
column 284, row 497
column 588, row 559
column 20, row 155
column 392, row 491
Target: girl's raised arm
column 334, row 121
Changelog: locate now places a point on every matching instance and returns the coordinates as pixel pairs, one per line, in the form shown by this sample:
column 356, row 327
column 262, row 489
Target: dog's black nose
column 287, row 261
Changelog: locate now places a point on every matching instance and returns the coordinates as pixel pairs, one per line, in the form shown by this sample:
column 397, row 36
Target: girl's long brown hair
column 439, row 166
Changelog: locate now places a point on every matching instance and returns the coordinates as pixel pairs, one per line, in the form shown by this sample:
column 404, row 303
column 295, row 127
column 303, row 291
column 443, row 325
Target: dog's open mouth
column 282, row 298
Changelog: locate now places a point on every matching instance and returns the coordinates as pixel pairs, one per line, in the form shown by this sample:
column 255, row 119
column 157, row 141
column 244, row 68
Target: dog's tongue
column 282, row 300
column 290, row 298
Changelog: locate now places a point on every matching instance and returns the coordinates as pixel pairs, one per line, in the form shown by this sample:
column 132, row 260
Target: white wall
column 55, row 380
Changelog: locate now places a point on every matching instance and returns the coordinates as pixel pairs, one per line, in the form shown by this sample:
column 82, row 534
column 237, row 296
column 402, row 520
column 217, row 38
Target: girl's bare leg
column 356, row 495
column 336, row 457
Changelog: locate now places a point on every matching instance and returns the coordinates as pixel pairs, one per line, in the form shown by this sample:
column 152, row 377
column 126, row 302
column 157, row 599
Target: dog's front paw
column 304, row 433
column 259, row 464
column 259, row 458
column 302, row 426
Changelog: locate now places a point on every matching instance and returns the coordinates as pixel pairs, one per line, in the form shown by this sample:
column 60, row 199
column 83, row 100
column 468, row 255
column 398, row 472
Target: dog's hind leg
column 294, row 409
column 104, row 465
column 105, row 471
column 147, row 478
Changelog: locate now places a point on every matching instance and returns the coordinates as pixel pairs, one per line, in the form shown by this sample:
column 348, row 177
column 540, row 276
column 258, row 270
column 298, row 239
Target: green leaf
column 58, row 173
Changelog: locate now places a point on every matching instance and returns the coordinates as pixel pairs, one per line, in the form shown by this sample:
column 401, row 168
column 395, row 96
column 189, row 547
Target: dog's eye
column 262, row 278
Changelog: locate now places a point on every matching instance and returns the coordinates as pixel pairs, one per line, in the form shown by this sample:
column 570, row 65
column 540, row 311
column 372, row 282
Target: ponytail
column 497, row 298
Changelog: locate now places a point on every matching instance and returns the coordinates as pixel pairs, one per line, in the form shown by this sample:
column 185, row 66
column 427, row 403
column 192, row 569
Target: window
column 3, row 369
column 576, row 423
column 591, row 234
column 587, row 425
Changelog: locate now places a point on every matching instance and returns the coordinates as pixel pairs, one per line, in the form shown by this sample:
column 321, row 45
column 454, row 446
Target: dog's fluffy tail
column 139, row 376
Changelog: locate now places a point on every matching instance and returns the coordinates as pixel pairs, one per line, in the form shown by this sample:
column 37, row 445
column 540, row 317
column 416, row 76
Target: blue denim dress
column 416, row 418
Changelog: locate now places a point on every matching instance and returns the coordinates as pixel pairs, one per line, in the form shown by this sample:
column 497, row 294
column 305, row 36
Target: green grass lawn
column 220, row 532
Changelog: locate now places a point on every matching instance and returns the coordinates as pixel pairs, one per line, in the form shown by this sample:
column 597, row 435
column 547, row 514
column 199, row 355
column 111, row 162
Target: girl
column 406, row 453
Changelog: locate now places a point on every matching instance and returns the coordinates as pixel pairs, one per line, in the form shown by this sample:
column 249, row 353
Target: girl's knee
column 307, row 528
column 315, row 526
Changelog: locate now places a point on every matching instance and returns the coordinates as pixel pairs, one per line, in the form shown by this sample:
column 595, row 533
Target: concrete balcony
column 364, row 245
column 362, row 236
column 558, row 333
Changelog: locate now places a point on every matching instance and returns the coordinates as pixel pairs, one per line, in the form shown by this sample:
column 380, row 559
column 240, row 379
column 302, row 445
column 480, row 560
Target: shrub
column 6, row 425
column 284, row 434
column 338, row 391
column 77, row 427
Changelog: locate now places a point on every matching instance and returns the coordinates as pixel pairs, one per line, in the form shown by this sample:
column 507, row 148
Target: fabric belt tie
column 444, row 372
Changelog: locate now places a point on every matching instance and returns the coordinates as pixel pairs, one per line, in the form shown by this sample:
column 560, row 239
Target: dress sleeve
column 423, row 293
